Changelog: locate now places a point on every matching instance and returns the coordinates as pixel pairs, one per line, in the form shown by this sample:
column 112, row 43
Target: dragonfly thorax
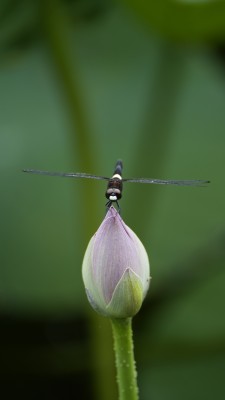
column 114, row 189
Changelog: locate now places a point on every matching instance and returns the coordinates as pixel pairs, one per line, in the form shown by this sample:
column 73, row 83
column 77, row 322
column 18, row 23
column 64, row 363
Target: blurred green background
column 84, row 83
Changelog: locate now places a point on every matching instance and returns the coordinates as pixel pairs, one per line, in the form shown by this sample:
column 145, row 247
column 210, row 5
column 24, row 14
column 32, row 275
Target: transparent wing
column 66, row 174
column 134, row 180
column 168, row 182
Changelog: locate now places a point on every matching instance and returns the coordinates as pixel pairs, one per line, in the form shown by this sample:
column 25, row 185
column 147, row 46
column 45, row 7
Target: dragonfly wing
column 168, row 182
column 66, row 174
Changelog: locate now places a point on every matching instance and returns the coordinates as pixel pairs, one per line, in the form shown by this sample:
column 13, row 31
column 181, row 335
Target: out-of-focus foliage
column 82, row 84
column 187, row 20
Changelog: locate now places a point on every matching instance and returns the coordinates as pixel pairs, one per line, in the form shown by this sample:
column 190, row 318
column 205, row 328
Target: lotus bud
column 115, row 269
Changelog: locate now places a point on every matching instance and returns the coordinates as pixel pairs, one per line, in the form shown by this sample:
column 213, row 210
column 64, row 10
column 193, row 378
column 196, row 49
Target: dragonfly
column 115, row 183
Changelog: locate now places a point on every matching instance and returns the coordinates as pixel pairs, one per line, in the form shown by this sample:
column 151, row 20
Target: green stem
column 125, row 363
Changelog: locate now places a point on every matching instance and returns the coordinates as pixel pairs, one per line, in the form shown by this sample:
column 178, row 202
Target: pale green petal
column 144, row 273
column 127, row 297
column 90, row 286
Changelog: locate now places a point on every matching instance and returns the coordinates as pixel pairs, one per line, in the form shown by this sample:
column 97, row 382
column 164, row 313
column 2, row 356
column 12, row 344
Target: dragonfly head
column 114, row 188
column 113, row 194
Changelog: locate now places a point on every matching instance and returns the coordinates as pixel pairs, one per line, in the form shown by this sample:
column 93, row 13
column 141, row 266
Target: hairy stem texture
column 125, row 363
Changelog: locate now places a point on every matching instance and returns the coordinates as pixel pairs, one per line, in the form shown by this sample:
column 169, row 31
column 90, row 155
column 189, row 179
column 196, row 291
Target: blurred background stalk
column 158, row 116
column 56, row 26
